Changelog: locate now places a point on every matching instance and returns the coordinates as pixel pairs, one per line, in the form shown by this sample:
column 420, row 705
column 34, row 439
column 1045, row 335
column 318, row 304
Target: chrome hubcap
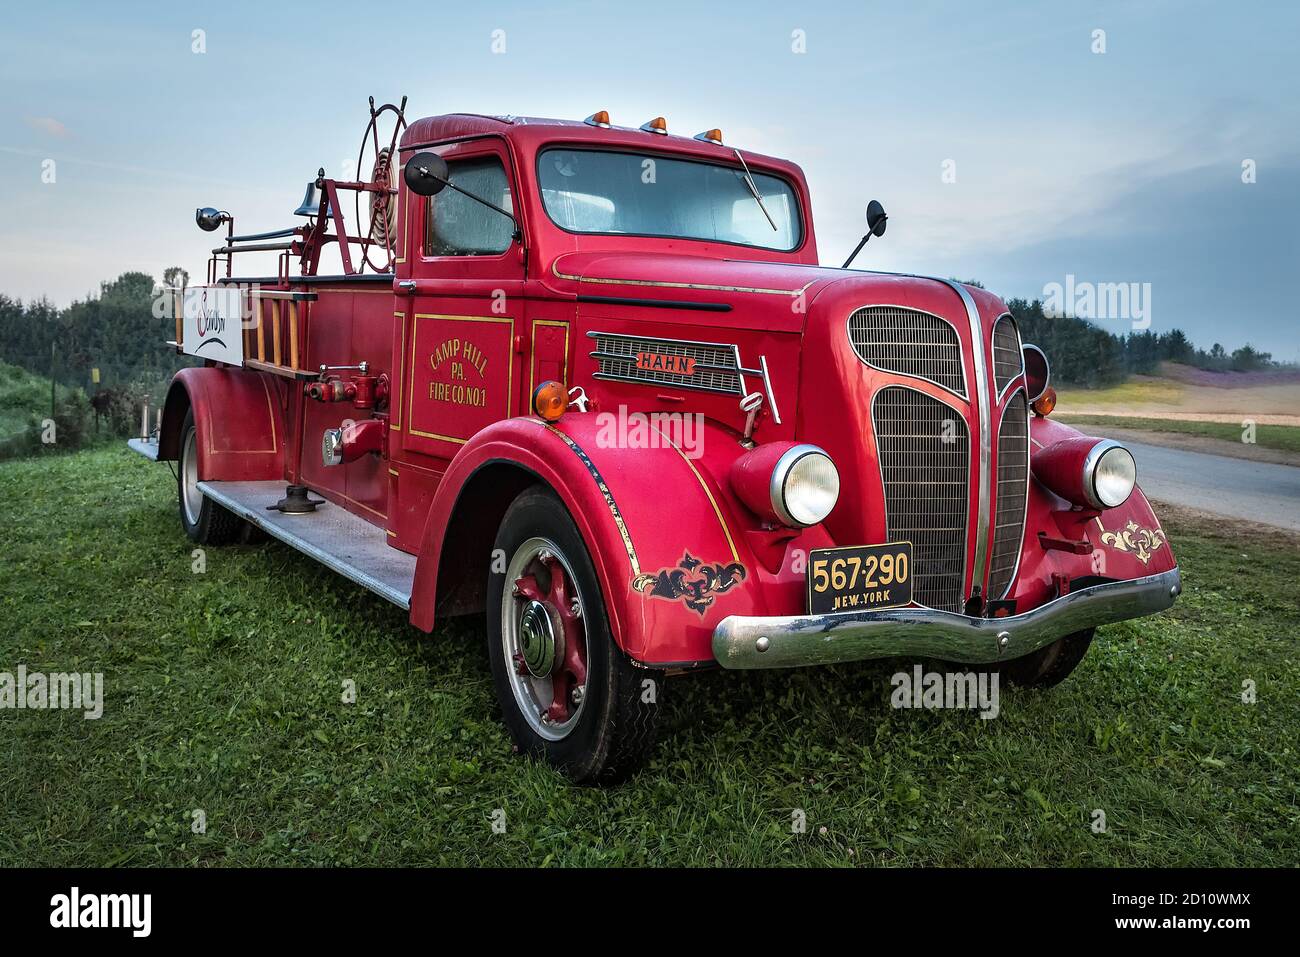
column 191, row 497
column 543, row 638
column 537, row 639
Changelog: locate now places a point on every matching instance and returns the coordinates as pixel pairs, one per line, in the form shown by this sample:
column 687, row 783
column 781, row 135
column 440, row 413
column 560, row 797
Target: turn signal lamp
column 1045, row 403
column 550, row 399
column 657, row 125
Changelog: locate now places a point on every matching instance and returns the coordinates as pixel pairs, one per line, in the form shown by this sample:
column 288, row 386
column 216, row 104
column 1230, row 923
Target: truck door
column 463, row 326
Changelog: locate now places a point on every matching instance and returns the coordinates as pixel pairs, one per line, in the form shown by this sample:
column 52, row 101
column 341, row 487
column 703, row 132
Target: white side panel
column 212, row 323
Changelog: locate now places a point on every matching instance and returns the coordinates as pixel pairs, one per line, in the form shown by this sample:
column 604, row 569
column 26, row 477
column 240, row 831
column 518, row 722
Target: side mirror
column 876, row 218
column 426, row 174
column 208, row 218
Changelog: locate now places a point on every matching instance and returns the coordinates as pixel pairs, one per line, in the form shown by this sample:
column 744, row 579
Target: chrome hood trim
column 982, row 403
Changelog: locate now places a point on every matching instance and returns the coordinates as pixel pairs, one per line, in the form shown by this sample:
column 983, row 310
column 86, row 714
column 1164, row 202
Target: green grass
column 223, row 694
column 1131, row 392
column 1284, row 437
column 21, row 395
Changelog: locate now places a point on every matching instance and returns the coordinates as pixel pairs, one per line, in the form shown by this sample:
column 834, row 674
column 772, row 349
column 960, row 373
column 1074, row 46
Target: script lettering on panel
column 213, row 323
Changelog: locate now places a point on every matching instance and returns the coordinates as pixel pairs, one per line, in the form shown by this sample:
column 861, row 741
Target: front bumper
column 789, row 642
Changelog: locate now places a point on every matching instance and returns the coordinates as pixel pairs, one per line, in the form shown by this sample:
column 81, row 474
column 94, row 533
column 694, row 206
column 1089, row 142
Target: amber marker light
column 1046, row 402
column 599, row 118
column 657, row 125
column 550, row 399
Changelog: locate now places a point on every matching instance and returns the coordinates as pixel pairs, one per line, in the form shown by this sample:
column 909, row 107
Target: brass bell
column 310, row 204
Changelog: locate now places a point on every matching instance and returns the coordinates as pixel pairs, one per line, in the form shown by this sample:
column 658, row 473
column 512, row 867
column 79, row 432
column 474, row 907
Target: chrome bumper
column 825, row 639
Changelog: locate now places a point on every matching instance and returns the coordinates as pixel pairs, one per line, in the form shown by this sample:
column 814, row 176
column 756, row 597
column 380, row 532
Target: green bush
column 25, row 415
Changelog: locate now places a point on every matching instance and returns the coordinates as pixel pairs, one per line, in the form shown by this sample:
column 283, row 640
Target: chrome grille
column 909, row 342
column 927, row 489
column 1007, row 358
column 717, row 365
column 1013, row 480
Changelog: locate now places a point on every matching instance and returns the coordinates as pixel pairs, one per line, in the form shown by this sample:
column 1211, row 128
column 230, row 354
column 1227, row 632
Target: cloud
column 49, row 126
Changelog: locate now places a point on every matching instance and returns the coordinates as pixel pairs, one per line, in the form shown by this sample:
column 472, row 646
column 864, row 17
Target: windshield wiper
column 749, row 181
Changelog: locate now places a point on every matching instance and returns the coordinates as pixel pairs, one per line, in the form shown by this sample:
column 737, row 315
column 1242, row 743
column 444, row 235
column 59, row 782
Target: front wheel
column 568, row 694
column 1049, row 665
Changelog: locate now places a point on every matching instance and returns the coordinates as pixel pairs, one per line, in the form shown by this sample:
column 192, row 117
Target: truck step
column 146, row 447
column 336, row 538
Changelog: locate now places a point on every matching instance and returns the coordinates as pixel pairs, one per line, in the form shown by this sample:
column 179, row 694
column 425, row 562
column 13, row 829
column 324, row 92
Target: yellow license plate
column 859, row 578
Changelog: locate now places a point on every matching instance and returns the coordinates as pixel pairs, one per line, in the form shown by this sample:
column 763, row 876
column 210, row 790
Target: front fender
column 240, row 420
column 670, row 545
column 1126, row 542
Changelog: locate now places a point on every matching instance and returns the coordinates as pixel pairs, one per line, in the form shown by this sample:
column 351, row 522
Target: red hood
column 764, row 295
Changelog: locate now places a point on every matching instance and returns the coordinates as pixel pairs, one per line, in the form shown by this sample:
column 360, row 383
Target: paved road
column 1256, row 491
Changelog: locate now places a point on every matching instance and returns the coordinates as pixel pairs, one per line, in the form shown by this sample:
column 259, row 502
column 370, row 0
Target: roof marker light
column 710, row 136
column 657, row 125
column 600, row 119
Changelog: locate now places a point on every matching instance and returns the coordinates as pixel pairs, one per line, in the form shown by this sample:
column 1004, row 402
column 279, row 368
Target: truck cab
column 601, row 392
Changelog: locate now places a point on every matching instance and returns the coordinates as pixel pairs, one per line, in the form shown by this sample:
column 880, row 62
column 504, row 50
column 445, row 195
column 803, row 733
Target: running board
column 336, row 538
column 146, row 447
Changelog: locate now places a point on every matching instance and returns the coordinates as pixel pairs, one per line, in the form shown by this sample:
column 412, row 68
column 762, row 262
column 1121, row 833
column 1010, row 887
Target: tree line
column 1083, row 354
column 115, row 331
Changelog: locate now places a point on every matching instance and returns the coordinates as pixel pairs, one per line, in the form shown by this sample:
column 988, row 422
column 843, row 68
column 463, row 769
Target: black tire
column 1049, row 665
column 613, row 732
column 204, row 521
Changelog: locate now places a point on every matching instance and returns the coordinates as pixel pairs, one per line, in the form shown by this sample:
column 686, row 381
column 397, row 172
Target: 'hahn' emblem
column 695, row 582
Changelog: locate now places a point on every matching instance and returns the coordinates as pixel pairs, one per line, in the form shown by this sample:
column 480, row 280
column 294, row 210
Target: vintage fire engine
column 592, row 381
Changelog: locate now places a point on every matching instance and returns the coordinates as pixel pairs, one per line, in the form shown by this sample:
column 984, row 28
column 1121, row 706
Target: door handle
column 407, row 286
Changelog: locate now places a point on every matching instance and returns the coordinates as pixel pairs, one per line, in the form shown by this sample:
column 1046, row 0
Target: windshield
column 595, row 191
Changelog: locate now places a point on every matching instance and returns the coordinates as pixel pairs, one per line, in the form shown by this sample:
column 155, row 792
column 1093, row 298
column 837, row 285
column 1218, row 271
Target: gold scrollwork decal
column 1141, row 542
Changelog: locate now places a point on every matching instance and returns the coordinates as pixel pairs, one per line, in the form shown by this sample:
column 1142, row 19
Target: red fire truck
column 592, row 381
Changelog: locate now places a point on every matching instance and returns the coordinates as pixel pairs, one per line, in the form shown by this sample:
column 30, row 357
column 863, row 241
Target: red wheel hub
column 567, row 660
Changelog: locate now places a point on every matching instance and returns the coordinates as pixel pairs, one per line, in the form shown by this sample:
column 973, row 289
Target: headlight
column 805, row 486
column 1087, row 472
column 1109, row 474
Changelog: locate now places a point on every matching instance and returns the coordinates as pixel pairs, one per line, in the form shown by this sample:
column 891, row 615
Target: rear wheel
column 568, row 694
column 204, row 520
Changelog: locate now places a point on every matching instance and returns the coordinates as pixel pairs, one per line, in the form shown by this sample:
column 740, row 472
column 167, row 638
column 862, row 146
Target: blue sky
column 1115, row 167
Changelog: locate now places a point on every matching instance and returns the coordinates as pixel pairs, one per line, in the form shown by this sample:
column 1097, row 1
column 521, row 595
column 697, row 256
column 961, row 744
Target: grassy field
column 223, row 694
column 1135, row 391
column 1284, row 437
